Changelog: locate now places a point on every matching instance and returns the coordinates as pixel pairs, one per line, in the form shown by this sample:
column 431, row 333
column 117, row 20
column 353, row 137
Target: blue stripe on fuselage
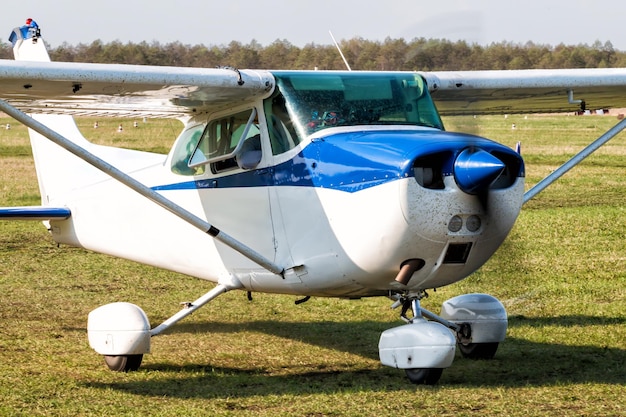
column 349, row 161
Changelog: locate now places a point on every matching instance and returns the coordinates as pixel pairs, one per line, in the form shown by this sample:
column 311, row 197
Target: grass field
column 561, row 274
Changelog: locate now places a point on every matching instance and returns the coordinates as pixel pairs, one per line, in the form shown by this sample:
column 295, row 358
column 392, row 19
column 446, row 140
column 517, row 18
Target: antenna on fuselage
column 345, row 61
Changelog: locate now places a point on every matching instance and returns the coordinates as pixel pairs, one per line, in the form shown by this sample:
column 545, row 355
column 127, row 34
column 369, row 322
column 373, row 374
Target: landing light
column 455, row 224
column 473, row 223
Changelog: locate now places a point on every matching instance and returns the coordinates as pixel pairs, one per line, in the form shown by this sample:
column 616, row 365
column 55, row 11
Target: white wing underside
column 151, row 91
column 527, row 91
column 126, row 90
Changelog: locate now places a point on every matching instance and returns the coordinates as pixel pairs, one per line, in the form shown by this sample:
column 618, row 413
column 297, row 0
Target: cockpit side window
column 187, row 142
column 229, row 140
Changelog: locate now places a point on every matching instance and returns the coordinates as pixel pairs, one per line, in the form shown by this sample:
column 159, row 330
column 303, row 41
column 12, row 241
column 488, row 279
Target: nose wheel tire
column 123, row 363
column 424, row 376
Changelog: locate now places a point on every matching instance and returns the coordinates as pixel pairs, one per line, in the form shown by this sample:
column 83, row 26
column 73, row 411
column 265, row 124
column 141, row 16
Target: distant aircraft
column 311, row 183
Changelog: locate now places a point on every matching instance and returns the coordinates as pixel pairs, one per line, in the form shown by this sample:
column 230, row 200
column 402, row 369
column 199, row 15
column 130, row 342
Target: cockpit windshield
column 318, row 100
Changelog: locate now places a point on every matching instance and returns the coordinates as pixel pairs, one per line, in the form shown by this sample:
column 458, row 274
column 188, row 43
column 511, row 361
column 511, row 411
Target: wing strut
column 575, row 160
column 140, row 188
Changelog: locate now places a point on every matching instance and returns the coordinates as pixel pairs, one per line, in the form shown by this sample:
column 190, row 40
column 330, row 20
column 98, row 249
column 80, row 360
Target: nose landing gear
column 424, row 346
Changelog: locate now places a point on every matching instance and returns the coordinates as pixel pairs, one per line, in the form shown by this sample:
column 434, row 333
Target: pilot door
column 233, row 180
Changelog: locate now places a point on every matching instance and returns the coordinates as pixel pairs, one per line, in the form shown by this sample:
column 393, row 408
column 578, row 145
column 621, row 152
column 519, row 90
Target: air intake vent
column 457, row 253
column 428, row 170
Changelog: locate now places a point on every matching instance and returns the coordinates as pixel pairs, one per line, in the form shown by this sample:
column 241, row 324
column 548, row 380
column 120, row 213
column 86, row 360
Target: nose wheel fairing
column 418, row 345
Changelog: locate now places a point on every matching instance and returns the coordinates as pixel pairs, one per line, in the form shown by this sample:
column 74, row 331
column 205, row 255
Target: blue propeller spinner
column 475, row 170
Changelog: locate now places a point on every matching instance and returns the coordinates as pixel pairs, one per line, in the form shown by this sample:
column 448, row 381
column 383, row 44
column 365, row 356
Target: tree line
column 419, row 54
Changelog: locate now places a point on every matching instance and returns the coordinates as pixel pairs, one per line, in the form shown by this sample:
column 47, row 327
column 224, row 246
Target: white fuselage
column 334, row 243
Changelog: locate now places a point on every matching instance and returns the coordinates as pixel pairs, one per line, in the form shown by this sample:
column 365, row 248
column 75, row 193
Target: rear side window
column 187, row 142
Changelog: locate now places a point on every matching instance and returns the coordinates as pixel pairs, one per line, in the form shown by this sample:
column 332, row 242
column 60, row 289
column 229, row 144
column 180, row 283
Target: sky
column 211, row 22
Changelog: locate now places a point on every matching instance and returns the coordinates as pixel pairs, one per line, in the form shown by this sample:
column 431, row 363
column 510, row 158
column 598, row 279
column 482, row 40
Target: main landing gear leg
column 121, row 331
column 189, row 308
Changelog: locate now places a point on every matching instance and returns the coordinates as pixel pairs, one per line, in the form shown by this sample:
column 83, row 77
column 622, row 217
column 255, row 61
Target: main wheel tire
column 424, row 376
column 123, row 363
column 479, row 350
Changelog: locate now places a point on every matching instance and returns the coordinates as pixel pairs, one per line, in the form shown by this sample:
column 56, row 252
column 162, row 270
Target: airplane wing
column 527, row 91
column 35, row 86
column 154, row 91
column 126, row 90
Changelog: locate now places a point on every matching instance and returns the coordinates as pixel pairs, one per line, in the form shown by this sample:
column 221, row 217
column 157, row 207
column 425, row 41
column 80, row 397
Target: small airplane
column 311, row 183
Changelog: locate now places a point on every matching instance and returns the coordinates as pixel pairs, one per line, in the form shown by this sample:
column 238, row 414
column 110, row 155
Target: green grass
column 561, row 274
